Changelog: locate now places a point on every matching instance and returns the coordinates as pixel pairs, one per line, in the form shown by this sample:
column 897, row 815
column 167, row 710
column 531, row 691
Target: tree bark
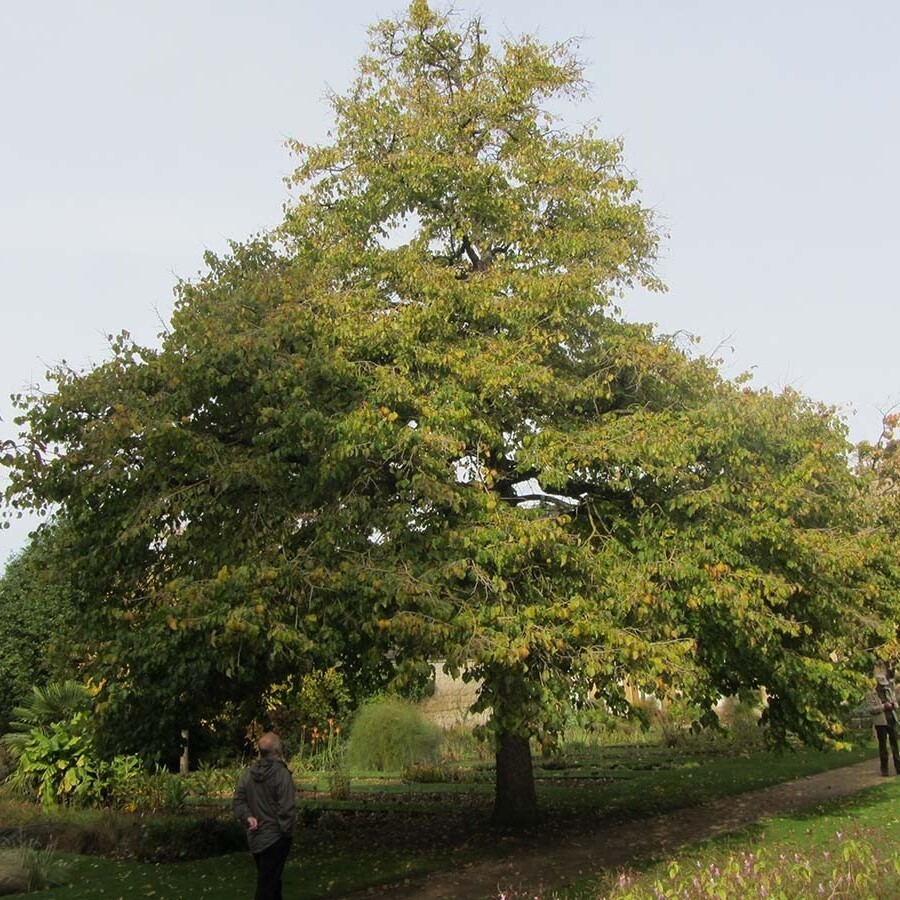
column 515, row 799
column 184, row 760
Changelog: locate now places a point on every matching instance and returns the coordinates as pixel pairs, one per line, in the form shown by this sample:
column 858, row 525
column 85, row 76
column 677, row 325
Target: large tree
column 412, row 420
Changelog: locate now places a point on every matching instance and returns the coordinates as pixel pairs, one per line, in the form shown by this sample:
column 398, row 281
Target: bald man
column 264, row 802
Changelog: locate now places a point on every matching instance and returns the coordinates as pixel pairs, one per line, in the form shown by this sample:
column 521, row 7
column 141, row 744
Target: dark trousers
column 269, row 866
column 887, row 733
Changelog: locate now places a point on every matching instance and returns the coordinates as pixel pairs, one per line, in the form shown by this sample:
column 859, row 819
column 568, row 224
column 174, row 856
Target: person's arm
column 241, row 808
column 874, row 704
column 285, row 802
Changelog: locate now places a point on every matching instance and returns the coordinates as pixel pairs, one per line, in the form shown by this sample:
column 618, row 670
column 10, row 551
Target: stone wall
column 449, row 704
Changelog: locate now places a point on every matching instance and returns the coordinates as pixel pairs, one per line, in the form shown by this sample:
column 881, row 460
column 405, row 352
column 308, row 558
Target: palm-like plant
column 54, row 703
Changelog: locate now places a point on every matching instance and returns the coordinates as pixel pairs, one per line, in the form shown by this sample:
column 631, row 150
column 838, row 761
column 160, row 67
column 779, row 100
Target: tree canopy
column 411, row 420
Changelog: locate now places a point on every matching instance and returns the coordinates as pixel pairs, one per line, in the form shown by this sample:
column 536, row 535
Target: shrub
column 54, row 757
column 7, row 762
column 425, row 773
column 742, row 721
column 461, row 743
column 174, row 838
column 208, row 782
column 391, row 734
column 305, row 709
column 58, row 701
column 595, row 726
column 51, row 743
column 339, row 784
column 157, row 791
column 119, row 776
column 645, row 710
column 57, row 765
column 674, row 721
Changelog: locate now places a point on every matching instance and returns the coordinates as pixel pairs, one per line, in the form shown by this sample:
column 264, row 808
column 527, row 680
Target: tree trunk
column 184, row 761
column 515, row 799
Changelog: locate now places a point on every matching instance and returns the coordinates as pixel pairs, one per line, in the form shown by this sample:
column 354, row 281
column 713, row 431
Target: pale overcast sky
column 135, row 135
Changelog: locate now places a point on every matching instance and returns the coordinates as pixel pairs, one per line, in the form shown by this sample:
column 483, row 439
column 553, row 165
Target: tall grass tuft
column 388, row 735
column 25, row 868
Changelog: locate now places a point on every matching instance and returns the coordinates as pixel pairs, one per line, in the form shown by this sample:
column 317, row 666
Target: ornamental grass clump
column 390, row 735
column 25, row 868
column 854, row 866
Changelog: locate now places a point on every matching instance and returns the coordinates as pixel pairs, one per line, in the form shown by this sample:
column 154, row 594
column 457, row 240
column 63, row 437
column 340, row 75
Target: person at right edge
column 882, row 706
column 264, row 802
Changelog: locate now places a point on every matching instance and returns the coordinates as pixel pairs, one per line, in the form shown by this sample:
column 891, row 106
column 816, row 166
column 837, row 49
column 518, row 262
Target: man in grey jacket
column 264, row 802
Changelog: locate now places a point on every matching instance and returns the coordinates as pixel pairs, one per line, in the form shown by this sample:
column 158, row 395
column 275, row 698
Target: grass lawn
column 388, row 830
column 229, row 877
column 844, row 849
column 643, row 781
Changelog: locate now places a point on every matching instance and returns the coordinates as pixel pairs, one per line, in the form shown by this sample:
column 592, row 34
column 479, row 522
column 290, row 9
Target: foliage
column 431, row 773
column 150, row 791
column 460, row 743
column 7, row 761
column 120, row 776
column 852, row 865
column 593, row 726
column 323, row 748
column 339, row 783
column 171, row 838
column 56, row 760
column 51, row 742
column 36, row 623
column 675, row 723
column 209, row 782
column 164, row 835
column 56, row 765
column 306, row 710
column 58, row 701
column 412, row 419
column 390, row 734
column 674, row 720
column 741, row 718
column 878, row 467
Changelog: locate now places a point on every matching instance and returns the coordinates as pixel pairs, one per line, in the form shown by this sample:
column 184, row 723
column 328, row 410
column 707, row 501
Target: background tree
column 878, row 467
column 181, row 533
column 36, row 621
column 412, row 419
